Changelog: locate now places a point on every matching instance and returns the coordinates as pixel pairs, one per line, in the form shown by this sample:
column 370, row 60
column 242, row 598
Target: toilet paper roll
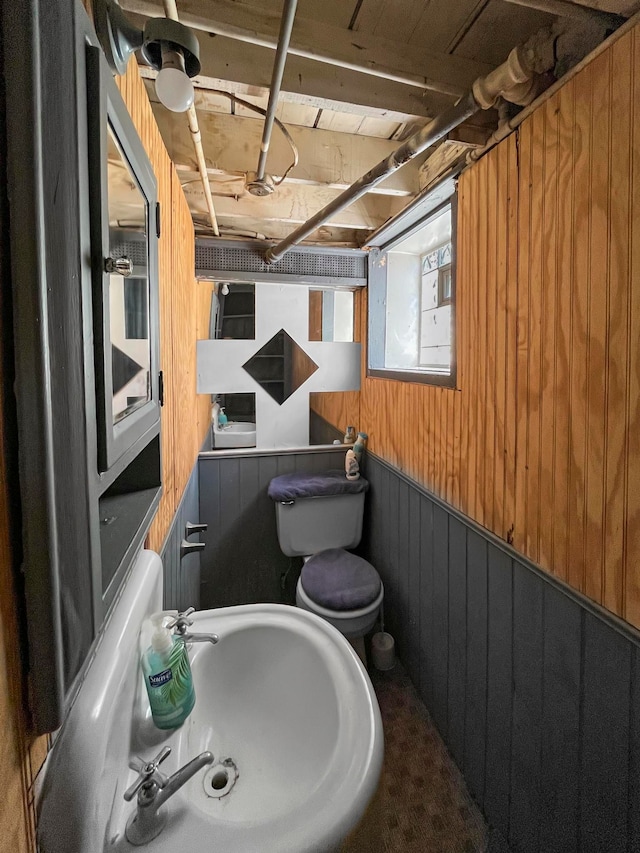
column 383, row 651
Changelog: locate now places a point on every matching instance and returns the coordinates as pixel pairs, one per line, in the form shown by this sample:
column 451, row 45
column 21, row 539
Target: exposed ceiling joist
column 318, row 101
column 274, row 216
column 247, row 69
column 324, row 236
column 326, row 157
column 292, row 204
column 362, row 52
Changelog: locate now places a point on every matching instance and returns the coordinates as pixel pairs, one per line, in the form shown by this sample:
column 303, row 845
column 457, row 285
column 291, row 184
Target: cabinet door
column 124, row 237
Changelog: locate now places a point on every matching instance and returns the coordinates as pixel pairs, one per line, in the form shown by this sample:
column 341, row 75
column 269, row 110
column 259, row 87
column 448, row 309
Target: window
column 412, row 302
column 435, row 310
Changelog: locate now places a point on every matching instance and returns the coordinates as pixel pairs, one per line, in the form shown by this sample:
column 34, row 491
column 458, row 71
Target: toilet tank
column 308, row 525
column 317, row 511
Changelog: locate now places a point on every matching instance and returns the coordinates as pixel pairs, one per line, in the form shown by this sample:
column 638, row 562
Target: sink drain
column 220, row 779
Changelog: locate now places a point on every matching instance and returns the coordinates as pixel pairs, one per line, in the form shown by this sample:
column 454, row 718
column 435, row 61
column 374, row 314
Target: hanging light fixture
column 166, row 45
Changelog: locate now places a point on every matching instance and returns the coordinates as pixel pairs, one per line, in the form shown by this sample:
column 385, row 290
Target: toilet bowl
column 351, row 623
column 318, row 517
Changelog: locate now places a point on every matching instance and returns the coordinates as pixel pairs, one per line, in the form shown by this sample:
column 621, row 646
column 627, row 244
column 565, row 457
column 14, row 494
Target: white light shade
column 173, row 87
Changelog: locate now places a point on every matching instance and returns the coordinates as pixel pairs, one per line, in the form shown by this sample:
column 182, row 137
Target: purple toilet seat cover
column 338, row 580
column 288, row 487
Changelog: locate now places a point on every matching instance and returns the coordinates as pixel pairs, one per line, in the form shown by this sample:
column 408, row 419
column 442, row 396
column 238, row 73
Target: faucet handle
column 148, row 772
column 182, row 621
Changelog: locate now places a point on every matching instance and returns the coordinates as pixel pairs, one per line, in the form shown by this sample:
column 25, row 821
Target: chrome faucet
column 154, row 789
column 182, row 622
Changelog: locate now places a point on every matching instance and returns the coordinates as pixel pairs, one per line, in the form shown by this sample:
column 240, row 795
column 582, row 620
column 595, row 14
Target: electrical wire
column 256, row 109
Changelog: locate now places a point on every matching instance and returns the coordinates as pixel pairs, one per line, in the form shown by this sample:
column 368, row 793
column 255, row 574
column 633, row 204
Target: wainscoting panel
column 242, row 562
column 182, row 576
column 534, row 688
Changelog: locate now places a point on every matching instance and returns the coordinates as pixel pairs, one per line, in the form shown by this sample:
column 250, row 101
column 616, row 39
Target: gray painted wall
column 242, row 562
column 182, row 576
column 535, row 690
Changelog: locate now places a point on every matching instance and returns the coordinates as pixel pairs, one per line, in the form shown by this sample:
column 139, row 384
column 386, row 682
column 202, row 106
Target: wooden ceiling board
column 369, row 15
column 259, row 100
column 381, row 55
column 372, row 126
column 336, row 12
column 251, row 65
column 443, row 22
column 295, row 204
column 204, row 100
column 342, row 122
column 297, row 114
column 397, row 19
column 231, row 146
column 361, row 125
column 500, row 27
column 325, row 235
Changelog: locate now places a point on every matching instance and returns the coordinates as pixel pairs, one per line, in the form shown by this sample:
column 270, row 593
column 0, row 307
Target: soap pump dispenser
column 222, row 418
column 167, row 676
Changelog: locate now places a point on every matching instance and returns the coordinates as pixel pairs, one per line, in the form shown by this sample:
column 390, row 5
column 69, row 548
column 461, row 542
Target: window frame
column 377, row 286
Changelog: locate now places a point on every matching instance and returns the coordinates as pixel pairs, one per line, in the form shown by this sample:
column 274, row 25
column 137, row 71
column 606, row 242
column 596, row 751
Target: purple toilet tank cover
column 288, row 487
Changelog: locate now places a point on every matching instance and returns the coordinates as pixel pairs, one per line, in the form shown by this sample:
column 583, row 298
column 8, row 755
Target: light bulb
column 173, row 87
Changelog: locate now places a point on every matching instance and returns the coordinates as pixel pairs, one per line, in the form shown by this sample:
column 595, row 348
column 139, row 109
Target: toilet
column 318, row 517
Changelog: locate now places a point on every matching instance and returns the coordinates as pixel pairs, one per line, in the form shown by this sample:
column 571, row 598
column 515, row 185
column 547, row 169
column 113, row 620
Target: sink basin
column 235, row 434
column 285, row 699
column 282, row 702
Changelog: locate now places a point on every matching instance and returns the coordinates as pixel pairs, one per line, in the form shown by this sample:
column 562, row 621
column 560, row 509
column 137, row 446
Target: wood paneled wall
column 185, row 416
column 540, row 443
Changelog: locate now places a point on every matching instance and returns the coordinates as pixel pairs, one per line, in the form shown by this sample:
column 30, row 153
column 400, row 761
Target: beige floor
column 422, row 804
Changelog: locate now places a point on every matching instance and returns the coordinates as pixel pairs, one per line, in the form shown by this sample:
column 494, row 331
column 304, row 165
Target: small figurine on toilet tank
column 351, row 466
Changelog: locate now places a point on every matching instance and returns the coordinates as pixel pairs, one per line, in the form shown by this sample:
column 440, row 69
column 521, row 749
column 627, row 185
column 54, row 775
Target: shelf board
column 124, row 520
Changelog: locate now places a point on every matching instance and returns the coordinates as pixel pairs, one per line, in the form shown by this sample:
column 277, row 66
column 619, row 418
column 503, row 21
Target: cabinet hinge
column 158, row 219
column 161, row 388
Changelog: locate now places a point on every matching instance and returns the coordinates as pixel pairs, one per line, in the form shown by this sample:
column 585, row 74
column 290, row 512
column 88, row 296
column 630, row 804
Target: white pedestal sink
column 282, row 702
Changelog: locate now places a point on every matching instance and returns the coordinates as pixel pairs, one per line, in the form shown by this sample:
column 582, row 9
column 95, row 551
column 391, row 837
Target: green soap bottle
column 167, row 677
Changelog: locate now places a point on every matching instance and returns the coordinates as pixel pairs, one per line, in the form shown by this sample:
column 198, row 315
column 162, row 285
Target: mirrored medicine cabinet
column 84, row 244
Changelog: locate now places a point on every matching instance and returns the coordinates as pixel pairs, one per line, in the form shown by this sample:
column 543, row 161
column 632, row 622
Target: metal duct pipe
column 414, row 145
column 286, row 26
column 514, row 80
column 503, row 130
